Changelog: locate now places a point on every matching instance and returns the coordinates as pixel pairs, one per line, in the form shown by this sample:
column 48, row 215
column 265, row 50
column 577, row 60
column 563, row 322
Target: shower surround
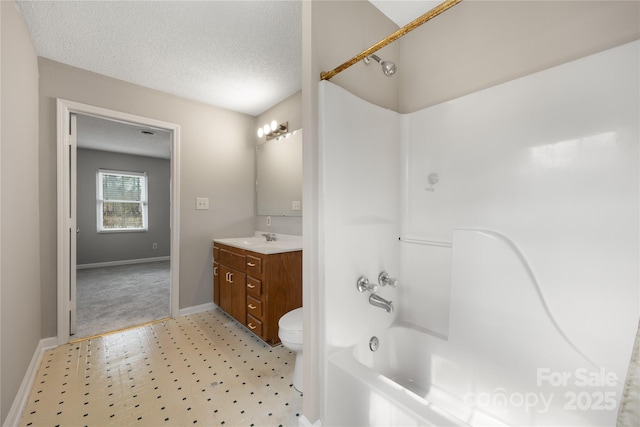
column 545, row 167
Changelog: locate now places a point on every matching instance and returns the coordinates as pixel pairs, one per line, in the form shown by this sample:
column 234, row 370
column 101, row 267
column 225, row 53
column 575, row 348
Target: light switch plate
column 202, row 203
column 295, row 205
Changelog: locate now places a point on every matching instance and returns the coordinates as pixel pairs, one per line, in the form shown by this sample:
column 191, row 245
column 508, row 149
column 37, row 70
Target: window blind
column 122, row 201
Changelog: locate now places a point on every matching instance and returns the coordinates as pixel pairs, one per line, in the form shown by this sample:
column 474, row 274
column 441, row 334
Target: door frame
column 64, row 110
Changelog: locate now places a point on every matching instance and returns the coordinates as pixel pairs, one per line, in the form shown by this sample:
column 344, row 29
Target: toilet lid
column 292, row 321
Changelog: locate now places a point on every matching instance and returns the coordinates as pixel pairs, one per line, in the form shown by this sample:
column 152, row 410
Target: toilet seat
column 290, row 326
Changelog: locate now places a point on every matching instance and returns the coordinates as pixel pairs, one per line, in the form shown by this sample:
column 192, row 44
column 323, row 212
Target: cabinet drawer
column 254, row 325
column 232, row 259
column 254, row 265
column 216, row 253
column 254, row 307
column 254, row 286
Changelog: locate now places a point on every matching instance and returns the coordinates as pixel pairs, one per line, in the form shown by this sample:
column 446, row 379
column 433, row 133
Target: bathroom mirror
column 279, row 176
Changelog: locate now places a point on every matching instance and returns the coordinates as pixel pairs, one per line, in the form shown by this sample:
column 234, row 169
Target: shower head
column 388, row 67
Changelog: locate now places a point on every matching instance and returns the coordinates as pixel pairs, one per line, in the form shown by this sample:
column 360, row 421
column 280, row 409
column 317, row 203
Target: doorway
column 73, row 116
column 123, row 230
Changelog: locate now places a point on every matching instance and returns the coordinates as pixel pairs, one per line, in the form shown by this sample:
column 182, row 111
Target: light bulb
column 266, row 129
column 260, row 133
column 274, row 125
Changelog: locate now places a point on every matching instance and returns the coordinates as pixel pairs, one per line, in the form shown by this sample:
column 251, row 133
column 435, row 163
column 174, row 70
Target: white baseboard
column 304, row 422
column 20, row 401
column 197, row 309
column 122, row 262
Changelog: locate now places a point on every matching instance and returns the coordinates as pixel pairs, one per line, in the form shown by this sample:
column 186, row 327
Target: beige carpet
column 112, row 298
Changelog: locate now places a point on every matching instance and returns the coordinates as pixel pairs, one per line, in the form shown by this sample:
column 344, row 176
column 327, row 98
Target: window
column 122, row 201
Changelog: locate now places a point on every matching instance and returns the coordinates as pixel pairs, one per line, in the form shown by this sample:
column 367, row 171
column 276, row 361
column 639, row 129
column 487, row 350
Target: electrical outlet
column 155, row 246
column 202, row 203
column 268, row 221
column 295, row 205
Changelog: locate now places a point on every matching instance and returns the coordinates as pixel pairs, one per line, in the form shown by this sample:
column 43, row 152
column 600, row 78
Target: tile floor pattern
column 203, row 369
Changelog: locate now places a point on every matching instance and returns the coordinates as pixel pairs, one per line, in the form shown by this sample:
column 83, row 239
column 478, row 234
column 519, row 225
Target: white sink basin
column 251, row 241
column 261, row 245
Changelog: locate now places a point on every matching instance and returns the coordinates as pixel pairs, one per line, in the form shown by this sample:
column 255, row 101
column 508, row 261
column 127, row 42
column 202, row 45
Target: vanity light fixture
column 273, row 130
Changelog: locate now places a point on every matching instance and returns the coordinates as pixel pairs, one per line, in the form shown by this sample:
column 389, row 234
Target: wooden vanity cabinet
column 271, row 287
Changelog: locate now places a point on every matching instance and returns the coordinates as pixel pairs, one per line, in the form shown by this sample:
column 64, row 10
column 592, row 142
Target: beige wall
column 472, row 46
column 289, row 110
column 311, row 294
column 343, row 29
column 20, row 243
column 475, row 45
column 217, row 150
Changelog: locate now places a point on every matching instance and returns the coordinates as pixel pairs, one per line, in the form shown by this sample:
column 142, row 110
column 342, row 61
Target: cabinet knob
column 250, row 264
column 250, row 286
column 251, row 306
column 251, row 325
column 215, row 271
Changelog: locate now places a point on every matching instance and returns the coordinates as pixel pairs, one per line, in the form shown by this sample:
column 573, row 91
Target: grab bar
column 426, row 242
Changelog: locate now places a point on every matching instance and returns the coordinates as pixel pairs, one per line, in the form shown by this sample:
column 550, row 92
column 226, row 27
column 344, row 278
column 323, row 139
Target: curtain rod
column 326, row 75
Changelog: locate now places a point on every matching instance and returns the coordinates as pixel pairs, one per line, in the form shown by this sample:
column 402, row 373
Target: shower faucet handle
column 384, row 280
column 363, row 284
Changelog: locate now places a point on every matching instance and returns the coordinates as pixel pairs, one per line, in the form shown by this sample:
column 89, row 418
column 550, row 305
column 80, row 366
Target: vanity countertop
column 258, row 243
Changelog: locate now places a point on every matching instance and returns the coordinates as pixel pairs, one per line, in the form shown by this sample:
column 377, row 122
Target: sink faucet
column 378, row 301
column 271, row 237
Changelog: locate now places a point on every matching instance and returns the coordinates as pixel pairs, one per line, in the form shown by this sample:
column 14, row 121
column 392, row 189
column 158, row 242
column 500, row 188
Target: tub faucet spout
column 378, row 301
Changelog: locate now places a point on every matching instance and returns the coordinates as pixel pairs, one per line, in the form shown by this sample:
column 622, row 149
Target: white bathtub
column 505, row 361
column 389, row 387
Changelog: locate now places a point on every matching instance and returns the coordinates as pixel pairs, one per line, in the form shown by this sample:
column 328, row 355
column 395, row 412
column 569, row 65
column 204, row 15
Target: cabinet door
column 226, row 291
column 216, row 283
column 237, row 283
column 233, row 294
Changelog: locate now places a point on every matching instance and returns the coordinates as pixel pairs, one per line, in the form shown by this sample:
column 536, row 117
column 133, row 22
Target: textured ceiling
column 109, row 135
column 240, row 55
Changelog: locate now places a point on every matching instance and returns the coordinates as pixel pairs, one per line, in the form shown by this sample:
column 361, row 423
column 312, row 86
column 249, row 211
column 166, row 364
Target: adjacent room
column 123, row 227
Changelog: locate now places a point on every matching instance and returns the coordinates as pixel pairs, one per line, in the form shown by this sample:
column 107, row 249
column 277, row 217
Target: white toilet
column 290, row 333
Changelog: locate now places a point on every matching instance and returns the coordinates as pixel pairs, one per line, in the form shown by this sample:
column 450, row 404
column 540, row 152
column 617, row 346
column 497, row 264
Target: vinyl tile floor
column 203, row 369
